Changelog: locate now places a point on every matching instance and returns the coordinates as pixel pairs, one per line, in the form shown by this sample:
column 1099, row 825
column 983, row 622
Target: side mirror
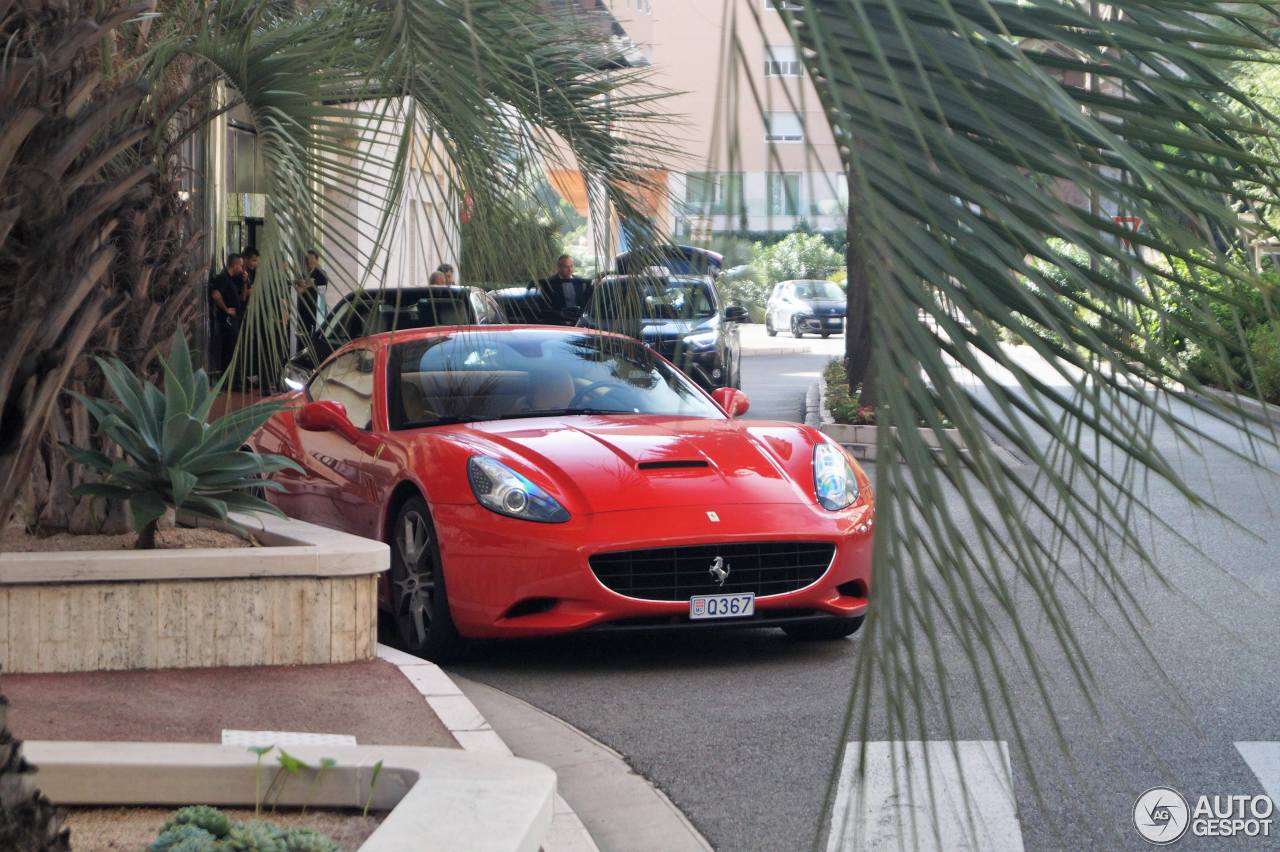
column 327, row 415
column 733, row 401
column 737, row 313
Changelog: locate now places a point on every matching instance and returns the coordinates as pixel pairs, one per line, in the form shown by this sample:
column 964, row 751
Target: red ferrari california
column 534, row 481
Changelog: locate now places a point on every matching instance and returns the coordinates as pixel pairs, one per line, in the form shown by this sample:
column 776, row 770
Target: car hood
column 604, row 464
column 653, row 330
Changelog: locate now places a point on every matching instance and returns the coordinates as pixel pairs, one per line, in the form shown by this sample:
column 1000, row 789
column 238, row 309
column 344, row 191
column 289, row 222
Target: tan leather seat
column 414, row 403
column 549, row 390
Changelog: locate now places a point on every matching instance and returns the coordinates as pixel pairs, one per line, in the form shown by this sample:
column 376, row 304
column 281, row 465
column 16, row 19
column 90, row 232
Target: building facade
column 755, row 153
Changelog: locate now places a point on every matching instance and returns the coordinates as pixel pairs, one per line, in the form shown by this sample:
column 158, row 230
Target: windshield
column 819, row 291
column 652, row 298
column 479, row 375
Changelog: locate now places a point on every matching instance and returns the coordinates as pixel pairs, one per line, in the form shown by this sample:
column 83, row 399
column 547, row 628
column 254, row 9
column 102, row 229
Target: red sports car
column 534, row 481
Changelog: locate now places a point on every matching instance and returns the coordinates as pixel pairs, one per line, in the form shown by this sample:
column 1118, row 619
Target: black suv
column 678, row 315
column 373, row 311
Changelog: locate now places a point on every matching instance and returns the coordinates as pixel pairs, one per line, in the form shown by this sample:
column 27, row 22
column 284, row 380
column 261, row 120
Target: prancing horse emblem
column 719, row 571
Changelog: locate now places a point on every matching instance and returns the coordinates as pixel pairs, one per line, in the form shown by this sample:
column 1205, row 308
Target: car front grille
column 677, row 573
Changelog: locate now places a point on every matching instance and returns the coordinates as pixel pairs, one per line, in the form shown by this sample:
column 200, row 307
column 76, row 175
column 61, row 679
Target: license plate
column 834, row 322
column 722, row 606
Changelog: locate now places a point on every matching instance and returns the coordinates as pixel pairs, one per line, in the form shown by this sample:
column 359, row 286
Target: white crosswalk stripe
column 938, row 795
column 1264, row 759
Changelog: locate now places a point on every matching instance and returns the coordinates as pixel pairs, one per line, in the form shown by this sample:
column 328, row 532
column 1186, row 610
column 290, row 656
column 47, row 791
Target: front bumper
column 827, row 324
column 512, row 578
column 706, row 367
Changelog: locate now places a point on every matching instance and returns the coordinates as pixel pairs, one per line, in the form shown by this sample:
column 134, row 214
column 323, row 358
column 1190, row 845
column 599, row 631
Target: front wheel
column 795, row 330
column 824, row 631
column 825, row 335
column 419, row 602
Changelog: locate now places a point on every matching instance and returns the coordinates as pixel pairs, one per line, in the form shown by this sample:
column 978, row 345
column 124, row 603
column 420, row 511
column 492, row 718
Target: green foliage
column 210, row 819
column 306, row 840
column 253, row 836
column 743, row 287
column 1264, row 348
column 799, row 255
column 173, row 457
column 531, row 245
column 1212, row 324
column 185, row 837
column 201, row 828
column 373, row 785
column 844, row 405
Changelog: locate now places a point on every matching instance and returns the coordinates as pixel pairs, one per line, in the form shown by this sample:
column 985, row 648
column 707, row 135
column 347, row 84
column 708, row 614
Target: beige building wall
column 731, row 171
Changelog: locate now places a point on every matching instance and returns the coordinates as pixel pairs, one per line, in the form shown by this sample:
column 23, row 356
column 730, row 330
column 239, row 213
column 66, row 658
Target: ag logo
column 1161, row 815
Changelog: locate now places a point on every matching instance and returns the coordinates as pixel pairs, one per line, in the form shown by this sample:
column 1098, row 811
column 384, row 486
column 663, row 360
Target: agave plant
column 174, row 458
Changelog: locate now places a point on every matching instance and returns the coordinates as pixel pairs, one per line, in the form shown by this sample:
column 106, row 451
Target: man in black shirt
column 249, row 275
column 226, row 304
column 564, row 290
column 309, row 295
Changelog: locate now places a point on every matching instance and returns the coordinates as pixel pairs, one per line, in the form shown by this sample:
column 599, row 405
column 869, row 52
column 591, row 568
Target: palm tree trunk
column 857, row 335
column 102, row 264
column 28, row 821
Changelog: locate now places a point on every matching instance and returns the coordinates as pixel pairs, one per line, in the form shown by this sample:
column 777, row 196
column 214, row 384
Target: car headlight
column 502, row 490
column 834, row 481
column 702, row 341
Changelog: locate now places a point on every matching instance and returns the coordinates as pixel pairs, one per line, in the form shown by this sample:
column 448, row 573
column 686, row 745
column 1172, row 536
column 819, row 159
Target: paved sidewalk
column 371, row 701
column 621, row 809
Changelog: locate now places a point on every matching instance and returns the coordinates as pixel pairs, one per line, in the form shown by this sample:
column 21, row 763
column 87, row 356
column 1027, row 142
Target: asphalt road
column 742, row 730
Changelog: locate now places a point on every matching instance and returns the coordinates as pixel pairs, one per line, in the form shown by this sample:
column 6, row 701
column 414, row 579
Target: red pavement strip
column 371, row 701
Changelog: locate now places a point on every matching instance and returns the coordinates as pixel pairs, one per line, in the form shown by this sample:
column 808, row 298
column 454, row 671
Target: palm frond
column 966, row 128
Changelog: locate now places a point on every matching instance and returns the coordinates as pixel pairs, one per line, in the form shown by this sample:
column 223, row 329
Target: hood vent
column 673, row 464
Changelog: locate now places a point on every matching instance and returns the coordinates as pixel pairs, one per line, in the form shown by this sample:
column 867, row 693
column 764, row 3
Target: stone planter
column 861, row 440
column 308, row 596
column 438, row 799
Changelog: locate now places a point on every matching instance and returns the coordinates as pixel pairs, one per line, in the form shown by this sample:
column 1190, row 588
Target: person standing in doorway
column 309, row 295
column 564, row 290
column 225, row 307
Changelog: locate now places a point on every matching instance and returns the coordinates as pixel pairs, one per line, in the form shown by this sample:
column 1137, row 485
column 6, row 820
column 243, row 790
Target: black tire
column 825, row 335
column 795, row 329
column 824, row 631
column 768, row 327
column 420, row 612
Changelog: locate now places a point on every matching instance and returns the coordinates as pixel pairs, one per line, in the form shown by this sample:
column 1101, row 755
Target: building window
column 784, row 194
column 780, row 61
column 783, row 127
column 713, row 192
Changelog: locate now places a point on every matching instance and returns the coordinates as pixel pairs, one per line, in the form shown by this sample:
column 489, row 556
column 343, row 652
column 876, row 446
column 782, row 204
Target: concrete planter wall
column 861, row 440
column 439, row 800
column 310, row 596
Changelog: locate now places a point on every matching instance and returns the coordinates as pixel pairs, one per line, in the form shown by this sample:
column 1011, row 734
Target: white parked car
column 805, row 307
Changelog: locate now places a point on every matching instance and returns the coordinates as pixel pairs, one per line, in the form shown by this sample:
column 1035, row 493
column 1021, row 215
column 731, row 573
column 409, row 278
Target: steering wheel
column 604, row 388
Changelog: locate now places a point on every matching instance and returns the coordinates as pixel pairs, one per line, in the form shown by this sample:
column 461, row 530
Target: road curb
column 473, row 732
column 1218, row 398
column 624, row 809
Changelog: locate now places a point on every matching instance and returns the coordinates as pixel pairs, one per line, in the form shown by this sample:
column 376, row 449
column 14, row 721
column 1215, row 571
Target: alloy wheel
column 414, row 590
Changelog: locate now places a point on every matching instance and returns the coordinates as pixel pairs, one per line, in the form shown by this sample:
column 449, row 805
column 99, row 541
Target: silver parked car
column 805, row 307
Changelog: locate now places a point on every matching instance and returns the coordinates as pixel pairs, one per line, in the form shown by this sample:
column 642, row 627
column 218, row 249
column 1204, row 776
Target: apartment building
column 755, row 151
